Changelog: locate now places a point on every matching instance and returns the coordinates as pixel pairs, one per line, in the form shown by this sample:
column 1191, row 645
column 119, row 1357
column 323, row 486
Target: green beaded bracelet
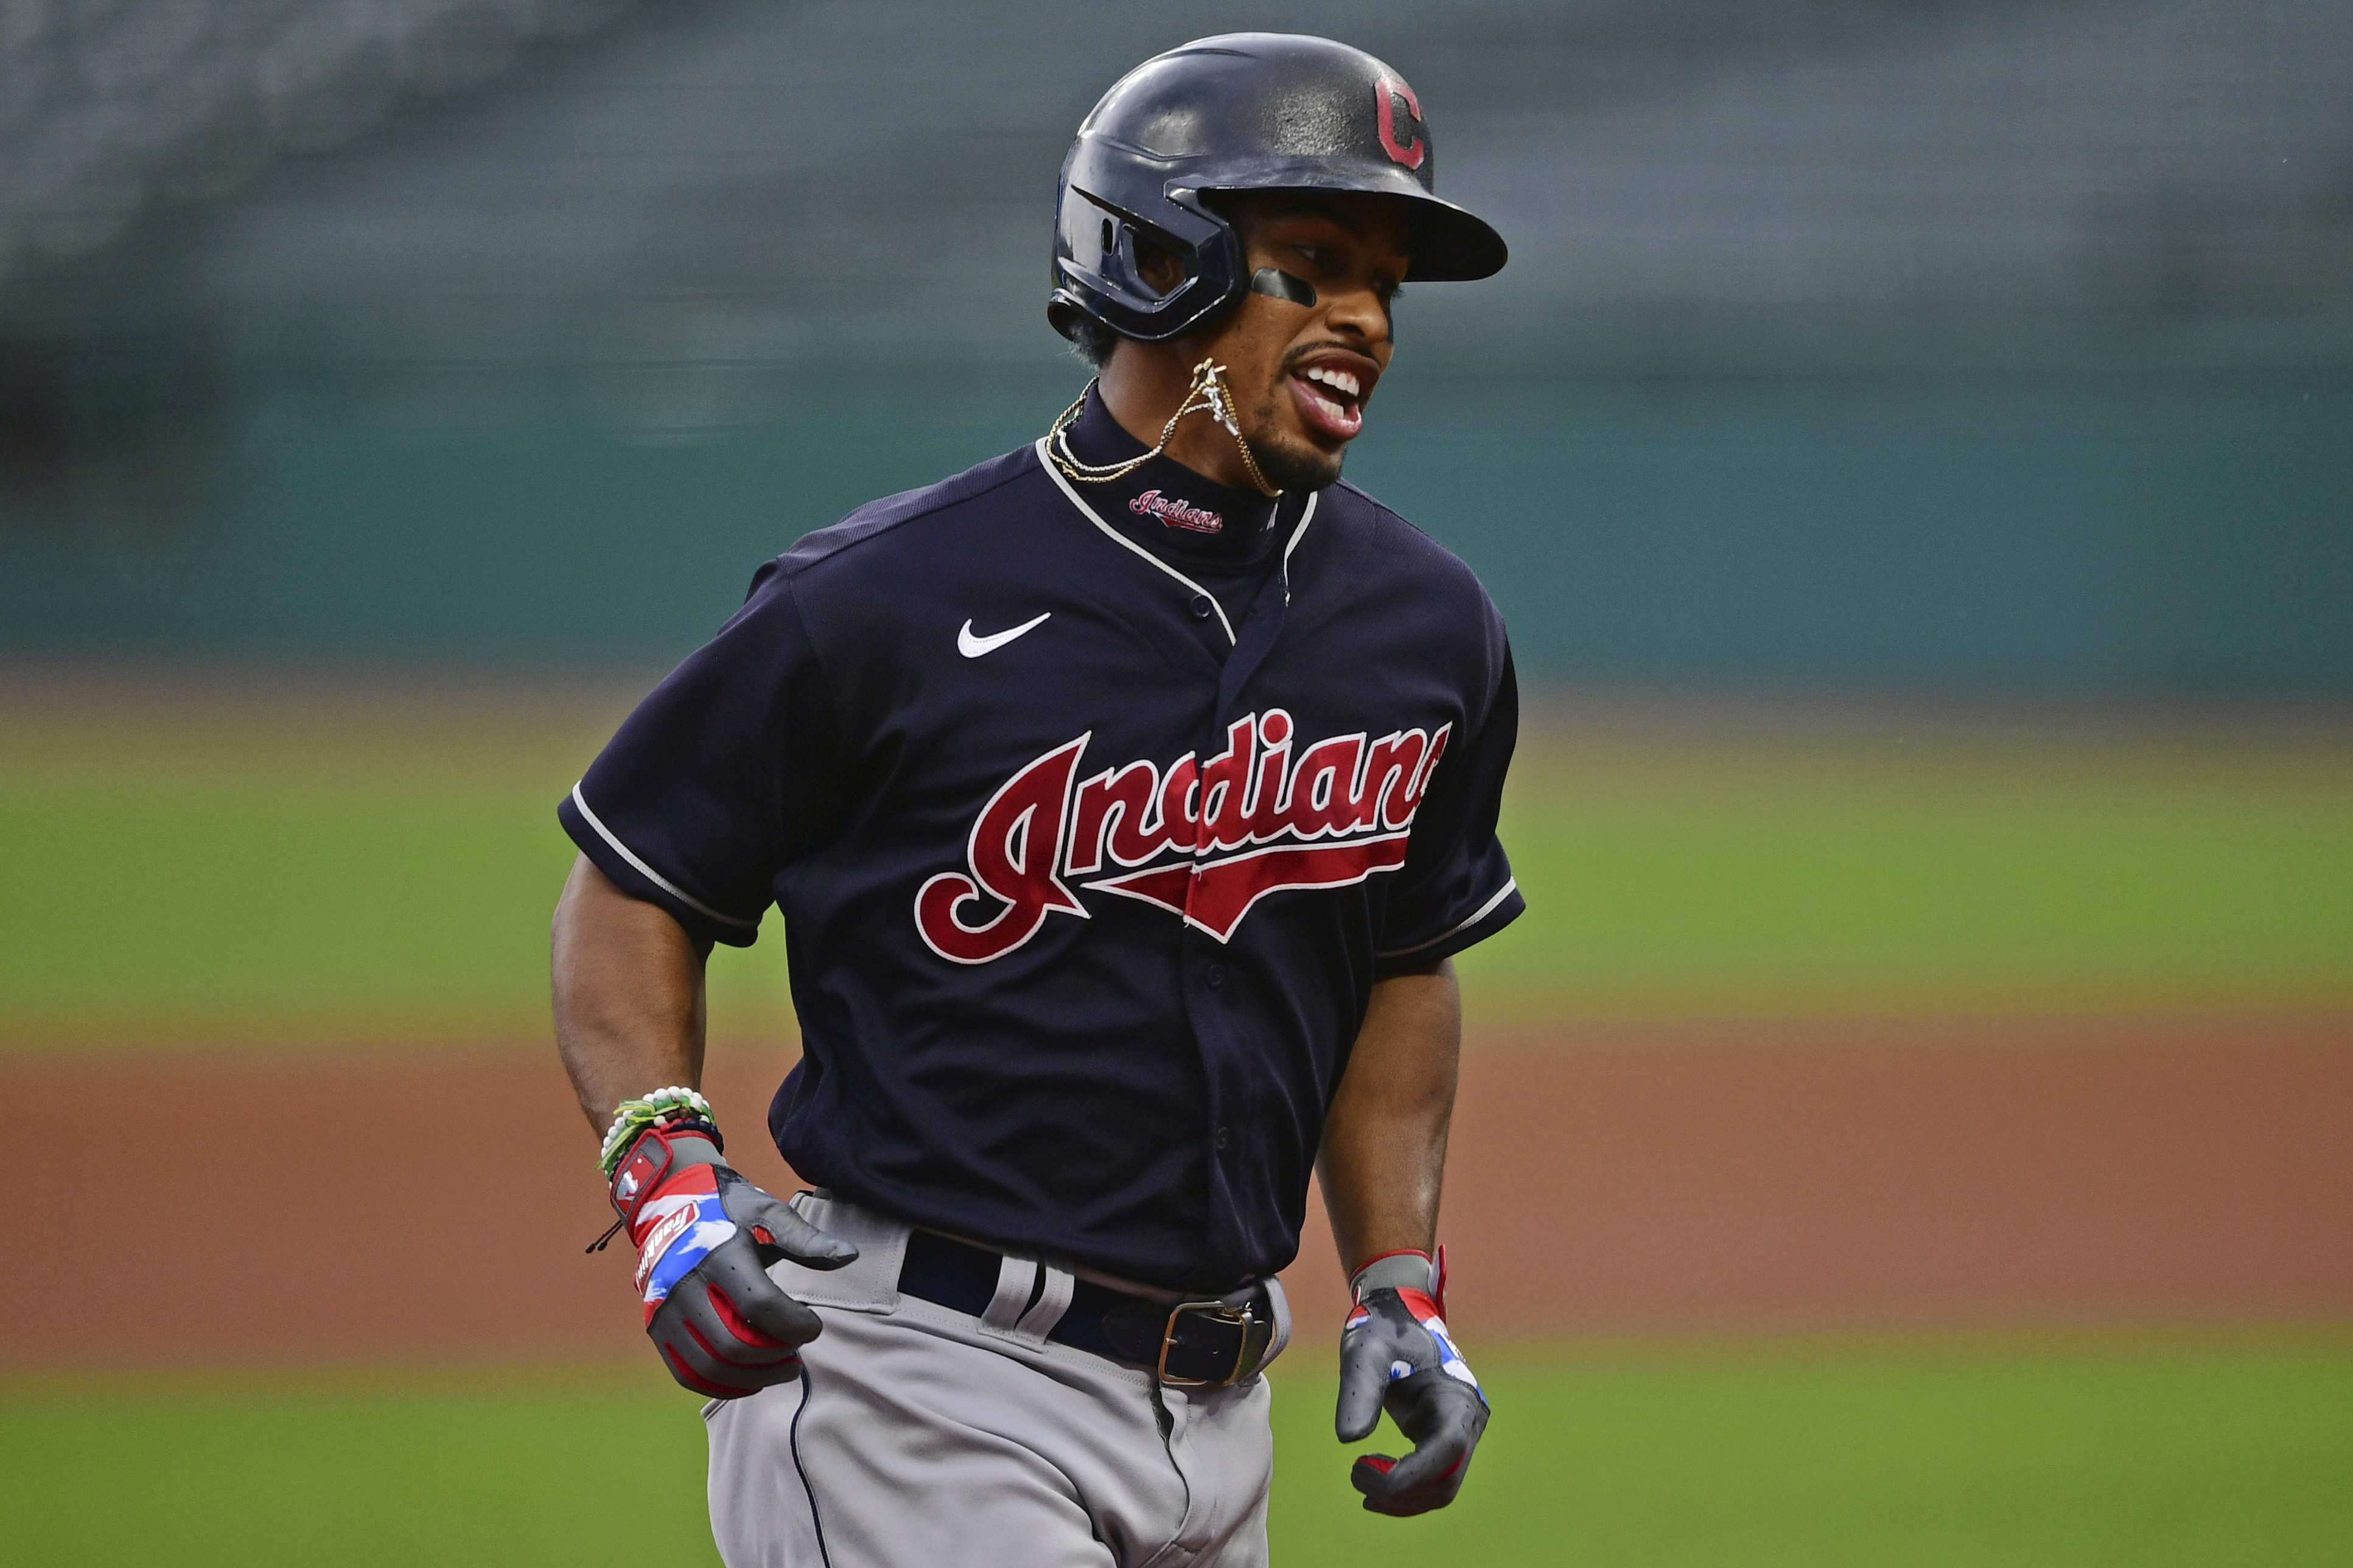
column 634, row 1116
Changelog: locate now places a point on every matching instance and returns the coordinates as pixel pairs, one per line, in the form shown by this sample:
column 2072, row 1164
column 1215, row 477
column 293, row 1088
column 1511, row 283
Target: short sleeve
column 1456, row 887
column 723, row 774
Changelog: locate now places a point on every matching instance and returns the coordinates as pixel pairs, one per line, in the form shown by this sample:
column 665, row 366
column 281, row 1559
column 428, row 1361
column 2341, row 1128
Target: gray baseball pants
column 920, row 1436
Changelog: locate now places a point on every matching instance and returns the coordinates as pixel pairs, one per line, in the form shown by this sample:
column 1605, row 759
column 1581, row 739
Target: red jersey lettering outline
column 1242, row 825
column 1014, row 847
column 1118, row 812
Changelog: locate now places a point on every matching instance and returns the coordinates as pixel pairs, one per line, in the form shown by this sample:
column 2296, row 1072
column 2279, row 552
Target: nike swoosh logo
column 972, row 647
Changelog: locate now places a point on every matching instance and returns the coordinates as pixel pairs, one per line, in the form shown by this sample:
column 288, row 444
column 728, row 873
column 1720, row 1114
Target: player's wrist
column 654, row 1161
column 1415, row 1270
column 660, row 1107
column 1401, row 1268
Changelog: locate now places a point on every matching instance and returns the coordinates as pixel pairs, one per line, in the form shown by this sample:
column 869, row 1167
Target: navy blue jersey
column 1081, row 919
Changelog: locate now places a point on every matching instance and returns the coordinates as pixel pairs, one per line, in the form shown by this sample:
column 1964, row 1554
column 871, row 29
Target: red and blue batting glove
column 1396, row 1354
column 705, row 1237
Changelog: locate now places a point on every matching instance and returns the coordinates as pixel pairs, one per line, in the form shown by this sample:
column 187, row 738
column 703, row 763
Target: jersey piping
column 1511, row 885
column 656, row 877
column 1306, row 516
column 1125, row 543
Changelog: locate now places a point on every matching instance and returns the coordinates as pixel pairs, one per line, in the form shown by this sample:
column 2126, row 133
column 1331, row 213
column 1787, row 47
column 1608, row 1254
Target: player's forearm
column 1384, row 1156
column 628, row 996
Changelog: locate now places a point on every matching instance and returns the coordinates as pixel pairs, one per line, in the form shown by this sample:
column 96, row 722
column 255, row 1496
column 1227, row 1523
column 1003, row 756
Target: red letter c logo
column 1412, row 152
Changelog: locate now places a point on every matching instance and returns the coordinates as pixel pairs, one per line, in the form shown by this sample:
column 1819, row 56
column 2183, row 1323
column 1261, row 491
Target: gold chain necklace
column 1207, row 395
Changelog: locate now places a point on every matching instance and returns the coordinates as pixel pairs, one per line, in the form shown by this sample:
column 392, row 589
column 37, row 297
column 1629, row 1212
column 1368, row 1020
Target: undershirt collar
column 1165, row 506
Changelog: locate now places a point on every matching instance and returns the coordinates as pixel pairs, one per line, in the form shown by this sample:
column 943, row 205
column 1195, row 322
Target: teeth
column 1338, row 380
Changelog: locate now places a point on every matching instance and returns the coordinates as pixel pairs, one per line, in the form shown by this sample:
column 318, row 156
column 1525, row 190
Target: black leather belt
column 1190, row 1344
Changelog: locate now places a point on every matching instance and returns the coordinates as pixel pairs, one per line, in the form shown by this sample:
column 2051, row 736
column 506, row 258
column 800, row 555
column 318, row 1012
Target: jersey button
column 1201, row 607
column 1225, row 1136
column 1217, row 976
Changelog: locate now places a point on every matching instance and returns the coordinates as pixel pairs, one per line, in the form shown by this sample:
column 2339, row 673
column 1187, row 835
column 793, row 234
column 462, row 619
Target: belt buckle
column 1216, row 1311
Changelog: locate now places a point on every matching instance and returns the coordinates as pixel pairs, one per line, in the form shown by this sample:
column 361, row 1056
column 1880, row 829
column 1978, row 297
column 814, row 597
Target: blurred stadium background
column 1913, row 445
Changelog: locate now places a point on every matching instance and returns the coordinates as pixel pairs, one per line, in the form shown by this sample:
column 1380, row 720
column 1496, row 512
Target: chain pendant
column 1208, row 394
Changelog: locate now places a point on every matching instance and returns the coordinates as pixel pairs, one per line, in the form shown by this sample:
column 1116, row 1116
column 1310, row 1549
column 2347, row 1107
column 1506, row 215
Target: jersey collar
column 1298, row 532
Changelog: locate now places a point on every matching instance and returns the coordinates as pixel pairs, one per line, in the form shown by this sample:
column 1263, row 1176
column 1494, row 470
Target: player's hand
column 1396, row 1354
column 705, row 1237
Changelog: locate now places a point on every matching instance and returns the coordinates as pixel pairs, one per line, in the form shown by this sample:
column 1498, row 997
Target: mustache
column 1305, row 349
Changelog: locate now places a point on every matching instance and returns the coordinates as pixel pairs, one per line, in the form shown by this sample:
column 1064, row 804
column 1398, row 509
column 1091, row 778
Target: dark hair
column 1092, row 341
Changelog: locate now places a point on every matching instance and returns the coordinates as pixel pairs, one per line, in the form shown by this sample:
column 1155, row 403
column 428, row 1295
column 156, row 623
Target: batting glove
column 705, row 1237
column 1396, row 1354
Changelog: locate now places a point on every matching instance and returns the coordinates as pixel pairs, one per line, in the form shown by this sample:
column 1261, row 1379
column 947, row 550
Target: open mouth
column 1332, row 398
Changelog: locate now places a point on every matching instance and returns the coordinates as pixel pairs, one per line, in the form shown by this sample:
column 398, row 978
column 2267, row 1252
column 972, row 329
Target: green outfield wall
column 2151, row 530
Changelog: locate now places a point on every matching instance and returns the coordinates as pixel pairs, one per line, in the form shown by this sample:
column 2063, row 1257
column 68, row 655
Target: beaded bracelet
column 632, row 1117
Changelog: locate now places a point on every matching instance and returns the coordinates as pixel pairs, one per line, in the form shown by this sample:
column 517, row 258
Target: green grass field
column 1786, row 876
column 387, row 873
column 303, row 869
column 2140, row 1457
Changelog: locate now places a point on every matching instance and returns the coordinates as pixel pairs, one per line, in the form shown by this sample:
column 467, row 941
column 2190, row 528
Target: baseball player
column 1125, row 798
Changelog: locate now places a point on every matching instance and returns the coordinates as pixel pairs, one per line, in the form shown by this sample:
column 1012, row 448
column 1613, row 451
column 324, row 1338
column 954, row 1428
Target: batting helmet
column 1242, row 112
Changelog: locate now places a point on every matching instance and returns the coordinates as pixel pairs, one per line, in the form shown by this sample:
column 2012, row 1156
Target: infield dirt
column 1625, row 1179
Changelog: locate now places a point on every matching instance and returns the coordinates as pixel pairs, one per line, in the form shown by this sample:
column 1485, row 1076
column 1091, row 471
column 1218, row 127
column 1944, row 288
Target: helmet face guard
column 1096, row 268
column 1245, row 111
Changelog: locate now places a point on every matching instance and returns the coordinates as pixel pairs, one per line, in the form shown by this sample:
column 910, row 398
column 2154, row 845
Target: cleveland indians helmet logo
column 1385, row 93
column 1202, row 840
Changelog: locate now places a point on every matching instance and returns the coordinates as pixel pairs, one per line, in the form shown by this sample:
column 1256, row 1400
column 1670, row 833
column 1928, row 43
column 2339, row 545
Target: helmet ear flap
column 1115, row 263
column 1099, row 264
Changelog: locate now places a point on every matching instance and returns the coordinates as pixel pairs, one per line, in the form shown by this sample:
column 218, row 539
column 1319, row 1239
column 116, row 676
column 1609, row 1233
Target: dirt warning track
column 1635, row 1179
